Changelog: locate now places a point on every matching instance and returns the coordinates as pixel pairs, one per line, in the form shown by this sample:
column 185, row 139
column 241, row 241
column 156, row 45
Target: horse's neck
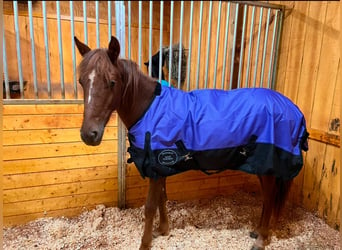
column 137, row 95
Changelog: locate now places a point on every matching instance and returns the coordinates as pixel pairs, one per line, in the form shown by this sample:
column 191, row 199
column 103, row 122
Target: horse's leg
column 261, row 233
column 164, row 221
column 152, row 202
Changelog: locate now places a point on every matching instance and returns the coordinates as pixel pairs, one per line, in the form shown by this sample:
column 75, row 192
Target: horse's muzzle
column 92, row 137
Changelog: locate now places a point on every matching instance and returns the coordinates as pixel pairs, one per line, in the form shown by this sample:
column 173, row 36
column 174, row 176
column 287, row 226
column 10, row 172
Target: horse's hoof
column 253, row 235
column 160, row 232
column 257, row 248
column 142, row 247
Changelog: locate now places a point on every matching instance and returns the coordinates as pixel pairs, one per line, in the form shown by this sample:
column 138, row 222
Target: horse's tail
column 281, row 191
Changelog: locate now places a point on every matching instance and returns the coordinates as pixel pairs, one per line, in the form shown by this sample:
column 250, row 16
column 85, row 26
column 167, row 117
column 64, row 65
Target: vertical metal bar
column 208, row 46
column 97, row 24
column 264, row 48
column 150, row 40
column 33, row 53
column 242, row 43
column 257, row 47
column 60, row 49
column 171, row 37
column 217, row 41
column 120, row 34
column 139, row 36
column 199, row 46
column 73, row 48
column 250, row 47
column 234, row 44
column 161, row 39
column 85, row 22
column 279, row 34
column 4, row 59
column 190, row 45
column 109, row 3
column 47, row 58
column 129, row 30
column 225, row 47
column 272, row 49
column 180, row 45
column 17, row 36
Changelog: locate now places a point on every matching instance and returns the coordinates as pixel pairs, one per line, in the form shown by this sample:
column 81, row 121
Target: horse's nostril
column 93, row 134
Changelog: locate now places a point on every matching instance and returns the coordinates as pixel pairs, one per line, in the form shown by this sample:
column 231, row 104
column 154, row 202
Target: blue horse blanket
column 255, row 130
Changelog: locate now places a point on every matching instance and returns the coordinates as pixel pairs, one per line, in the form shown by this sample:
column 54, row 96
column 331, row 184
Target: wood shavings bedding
column 217, row 223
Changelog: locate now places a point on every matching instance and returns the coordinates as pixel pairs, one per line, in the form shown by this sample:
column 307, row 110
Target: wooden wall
column 309, row 74
column 48, row 170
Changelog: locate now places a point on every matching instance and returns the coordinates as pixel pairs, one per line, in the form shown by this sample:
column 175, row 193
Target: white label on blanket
column 167, row 157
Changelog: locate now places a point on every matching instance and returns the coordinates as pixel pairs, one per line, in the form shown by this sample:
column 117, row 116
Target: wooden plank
column 23, row 166
column 71, row 201
column 37, row 136
column 46, row 109
column 295, row 54
column 57, row 177
column 311, row 57
column 328, row 68
column 59, row 190
column 314, row 164
column 68, row 212
column 17, row 152
column 329, row 195
column 21, row 122
column 324, row 137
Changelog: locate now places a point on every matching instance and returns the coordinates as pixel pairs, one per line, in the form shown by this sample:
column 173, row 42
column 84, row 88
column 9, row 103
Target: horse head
column 102, row 83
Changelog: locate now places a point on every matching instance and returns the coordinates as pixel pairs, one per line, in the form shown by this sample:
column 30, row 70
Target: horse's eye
column 112, row 83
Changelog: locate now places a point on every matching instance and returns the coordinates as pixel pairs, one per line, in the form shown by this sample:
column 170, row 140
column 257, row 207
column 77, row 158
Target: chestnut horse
column 110, row 83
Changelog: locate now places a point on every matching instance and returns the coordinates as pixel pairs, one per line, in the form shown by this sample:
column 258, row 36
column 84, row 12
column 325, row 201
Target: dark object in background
column 14, row 87
column 155, row 65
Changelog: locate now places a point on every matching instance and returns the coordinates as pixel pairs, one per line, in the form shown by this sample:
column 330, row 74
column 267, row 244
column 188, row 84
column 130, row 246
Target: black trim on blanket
column 253, row 158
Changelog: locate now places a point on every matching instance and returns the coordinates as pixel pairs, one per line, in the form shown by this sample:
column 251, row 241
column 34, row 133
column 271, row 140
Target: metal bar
column 208, row 46
column 234, row 44
column 97, row 24
column 199, row 46
column 272, row 48
column 17, row 36
column 47, row 58
column 171, row 37
column 264, row 48
column 242, row 43
column 190, row 46
column 180, row 45
column 257, row 47
column 85, row 23
column 73, row 48
column 33, row 52
column 60, row 49
column 139, row 36
column 217, row 41
column 261, row 4
column 109, row 3
column 4, row 59
column 120, row 34
column 250, row 47
column 150, row 40
column 225, row 47
column 161, row 39
column 277, row 48
column 129, row 30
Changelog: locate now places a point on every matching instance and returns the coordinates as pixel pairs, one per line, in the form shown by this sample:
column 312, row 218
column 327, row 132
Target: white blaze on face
column 91, row 78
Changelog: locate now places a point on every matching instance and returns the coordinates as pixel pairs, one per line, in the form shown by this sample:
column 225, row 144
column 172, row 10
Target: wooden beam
column 324, row 137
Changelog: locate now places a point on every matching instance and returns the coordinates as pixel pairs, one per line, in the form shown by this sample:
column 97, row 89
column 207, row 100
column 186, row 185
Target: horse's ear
column 82, row 48
column 113, row 49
